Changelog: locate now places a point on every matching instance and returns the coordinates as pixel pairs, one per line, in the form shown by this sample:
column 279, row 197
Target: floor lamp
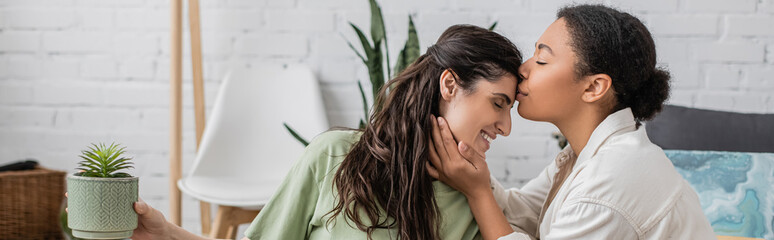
column 176, row 103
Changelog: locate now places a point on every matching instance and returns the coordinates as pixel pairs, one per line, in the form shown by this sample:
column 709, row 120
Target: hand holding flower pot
column 100, row 201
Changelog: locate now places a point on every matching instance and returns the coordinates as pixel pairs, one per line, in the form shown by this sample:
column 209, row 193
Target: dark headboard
column 698, row 129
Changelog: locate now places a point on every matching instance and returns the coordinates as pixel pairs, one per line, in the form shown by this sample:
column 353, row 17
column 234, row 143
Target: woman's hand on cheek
column 457, row 165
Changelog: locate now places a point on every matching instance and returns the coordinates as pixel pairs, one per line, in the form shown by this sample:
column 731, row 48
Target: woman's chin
column 527, row 114
column 483, row 146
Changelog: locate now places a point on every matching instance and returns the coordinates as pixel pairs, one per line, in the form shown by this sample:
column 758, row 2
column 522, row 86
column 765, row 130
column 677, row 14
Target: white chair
column 245, row 150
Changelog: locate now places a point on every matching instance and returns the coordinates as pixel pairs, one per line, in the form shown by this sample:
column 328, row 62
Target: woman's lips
column 486, row 143
column 486, row 139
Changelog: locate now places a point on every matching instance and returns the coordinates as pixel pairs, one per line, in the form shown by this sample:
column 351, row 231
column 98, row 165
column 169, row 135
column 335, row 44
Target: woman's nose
column 504, row 125
column 524, row 69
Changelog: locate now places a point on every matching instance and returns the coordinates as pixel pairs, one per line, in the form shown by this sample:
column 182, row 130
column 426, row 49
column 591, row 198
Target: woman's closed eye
column 499, row 103
column 541, row 63
column 500, row 100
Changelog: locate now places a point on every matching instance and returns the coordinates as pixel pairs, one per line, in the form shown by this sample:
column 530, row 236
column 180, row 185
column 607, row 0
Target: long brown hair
column 385, row 170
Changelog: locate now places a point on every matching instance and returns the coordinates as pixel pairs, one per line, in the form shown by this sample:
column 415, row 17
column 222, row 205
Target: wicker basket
column 30, row 203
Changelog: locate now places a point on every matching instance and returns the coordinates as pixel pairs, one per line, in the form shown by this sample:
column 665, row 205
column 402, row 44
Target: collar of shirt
column 620, row 120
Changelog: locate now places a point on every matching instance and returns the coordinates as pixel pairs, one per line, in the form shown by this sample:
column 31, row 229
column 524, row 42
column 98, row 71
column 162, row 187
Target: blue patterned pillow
column 735, row 189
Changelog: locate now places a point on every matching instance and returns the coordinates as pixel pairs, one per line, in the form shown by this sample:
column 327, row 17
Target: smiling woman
column 373, row 184
column 594, row 76
column 478, row 115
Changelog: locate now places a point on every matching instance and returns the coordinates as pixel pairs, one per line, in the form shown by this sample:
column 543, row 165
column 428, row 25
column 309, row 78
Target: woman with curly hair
column 594, row 76
column 373, row 184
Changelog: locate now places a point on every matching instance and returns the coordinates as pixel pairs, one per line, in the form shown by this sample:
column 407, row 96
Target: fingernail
column 141, row 207
column 440, row 121
column 464, row 147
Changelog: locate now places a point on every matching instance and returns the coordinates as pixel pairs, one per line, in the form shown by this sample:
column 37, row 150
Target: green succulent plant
column 104, row 161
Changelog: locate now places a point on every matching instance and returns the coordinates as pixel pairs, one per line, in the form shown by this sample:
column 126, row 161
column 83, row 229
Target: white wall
column 73, row 72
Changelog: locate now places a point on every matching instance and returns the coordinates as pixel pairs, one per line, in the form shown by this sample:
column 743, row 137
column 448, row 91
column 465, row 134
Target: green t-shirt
column 298, row 209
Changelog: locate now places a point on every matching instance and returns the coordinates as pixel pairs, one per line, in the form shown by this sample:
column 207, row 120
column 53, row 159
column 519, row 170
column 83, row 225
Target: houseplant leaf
column 356, row 51
column 410, row 51
column 296, row 135
column 363, row 97
column 377, row 22
column 373, row 60
column 367, row 49
column 376, row 73
column 378, row 32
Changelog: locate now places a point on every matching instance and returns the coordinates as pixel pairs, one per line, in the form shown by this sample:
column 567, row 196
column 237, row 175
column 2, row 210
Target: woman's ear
column 597, row 87
column 448, row 83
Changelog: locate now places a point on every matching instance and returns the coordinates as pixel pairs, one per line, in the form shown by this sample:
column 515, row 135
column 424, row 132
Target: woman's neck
column 579, row 127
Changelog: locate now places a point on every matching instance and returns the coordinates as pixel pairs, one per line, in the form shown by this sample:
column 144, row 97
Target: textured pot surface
column 101, row 207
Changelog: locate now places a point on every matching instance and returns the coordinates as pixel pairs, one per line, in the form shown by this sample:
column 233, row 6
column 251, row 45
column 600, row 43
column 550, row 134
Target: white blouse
column 621, row 187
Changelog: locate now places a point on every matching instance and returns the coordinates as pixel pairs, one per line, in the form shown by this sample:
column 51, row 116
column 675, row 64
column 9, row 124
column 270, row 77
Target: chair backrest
column 245, row 137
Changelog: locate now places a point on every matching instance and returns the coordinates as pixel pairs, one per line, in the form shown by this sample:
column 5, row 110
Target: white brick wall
column 73, row 72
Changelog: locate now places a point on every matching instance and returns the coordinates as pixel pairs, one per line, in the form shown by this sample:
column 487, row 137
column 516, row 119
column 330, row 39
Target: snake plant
column 104, row 161
column 377, row 59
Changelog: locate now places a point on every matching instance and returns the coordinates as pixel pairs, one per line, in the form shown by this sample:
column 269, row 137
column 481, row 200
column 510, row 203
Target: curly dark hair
column 616, row 43
column 385, row 172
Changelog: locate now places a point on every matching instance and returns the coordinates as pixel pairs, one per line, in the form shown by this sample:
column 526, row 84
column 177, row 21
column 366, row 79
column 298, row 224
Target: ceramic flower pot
column 101, row 208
